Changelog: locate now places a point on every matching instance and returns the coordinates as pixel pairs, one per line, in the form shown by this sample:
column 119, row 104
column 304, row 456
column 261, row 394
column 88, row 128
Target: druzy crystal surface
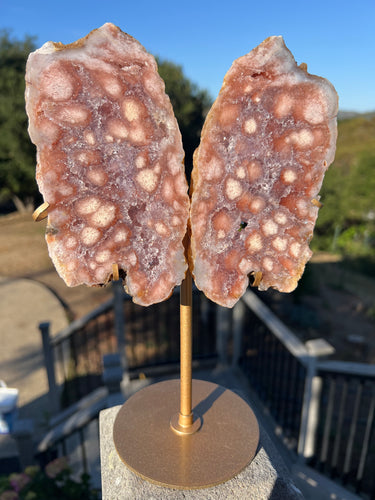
column 109, row 163
column 265, row 147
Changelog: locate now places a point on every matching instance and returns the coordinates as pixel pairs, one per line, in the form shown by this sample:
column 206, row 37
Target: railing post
column 310, row 411
column 23, row 433
column 118, row 308
column 223, row 317
column 50, row 366
column 238, row 320
column 112, row 372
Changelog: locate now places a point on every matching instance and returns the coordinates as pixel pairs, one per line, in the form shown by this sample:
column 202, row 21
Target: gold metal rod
column 186, row 305
column 115, row 272
column 41, row 212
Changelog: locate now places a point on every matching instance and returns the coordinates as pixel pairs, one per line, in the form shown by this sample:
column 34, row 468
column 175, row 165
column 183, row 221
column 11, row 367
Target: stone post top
column 265, row 478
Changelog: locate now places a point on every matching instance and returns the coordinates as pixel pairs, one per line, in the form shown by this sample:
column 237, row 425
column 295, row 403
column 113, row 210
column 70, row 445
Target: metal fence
column 152, row 334
column 77, row 436
column 73, row 357
column 148, row 336
column 324, row 410
column 345, row 434
column 277, row 364
column 275, row 374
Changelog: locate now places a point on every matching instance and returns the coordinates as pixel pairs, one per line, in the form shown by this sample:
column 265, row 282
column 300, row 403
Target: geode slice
column 110, row 163
column 266, row 144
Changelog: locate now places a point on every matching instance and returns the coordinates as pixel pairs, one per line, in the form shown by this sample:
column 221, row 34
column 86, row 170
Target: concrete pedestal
column 265, row 478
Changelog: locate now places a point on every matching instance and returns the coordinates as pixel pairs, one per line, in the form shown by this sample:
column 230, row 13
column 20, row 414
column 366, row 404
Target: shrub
column 54, row 482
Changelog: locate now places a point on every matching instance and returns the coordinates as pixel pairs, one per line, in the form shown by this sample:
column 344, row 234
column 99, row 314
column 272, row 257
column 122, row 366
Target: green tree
column 17, row 153
column 190, row 104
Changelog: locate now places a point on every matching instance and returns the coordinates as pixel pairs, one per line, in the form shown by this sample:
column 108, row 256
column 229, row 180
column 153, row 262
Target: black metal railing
column 151, row 338
column 277, row 376
column 78, row 351
column 345, row 437
column 77, row 437
column 152, row 334
column 324, row 410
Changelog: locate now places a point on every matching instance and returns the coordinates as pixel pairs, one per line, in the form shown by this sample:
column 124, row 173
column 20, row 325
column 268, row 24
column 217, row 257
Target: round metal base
column 224, row 444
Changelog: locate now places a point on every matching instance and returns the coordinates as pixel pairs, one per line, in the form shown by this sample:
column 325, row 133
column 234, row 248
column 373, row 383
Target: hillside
column 355, row 135
column 346, row 222
column 345, row 115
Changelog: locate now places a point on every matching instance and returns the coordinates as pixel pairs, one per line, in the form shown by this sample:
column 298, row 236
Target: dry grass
column 23, row 254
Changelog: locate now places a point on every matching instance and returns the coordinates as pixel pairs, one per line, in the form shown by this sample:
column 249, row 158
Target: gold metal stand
column 210, row 440
column 184, row 422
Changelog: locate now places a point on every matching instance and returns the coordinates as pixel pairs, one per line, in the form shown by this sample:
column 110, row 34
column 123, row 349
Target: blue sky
column 335, row 38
